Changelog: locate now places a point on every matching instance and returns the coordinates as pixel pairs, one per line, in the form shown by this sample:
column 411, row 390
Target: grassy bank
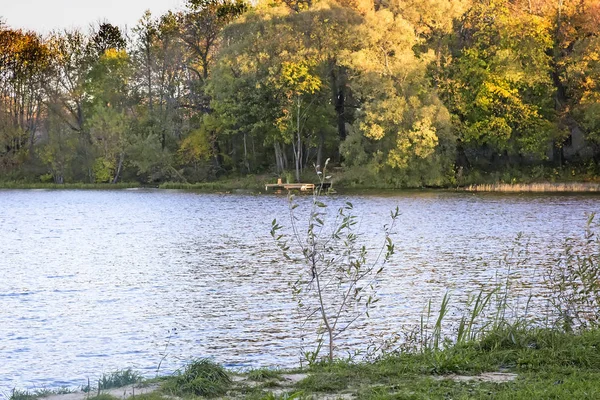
column 252, row 183
column 504, row 364
column 68, row 186
column 537, row 180
column 258, row 186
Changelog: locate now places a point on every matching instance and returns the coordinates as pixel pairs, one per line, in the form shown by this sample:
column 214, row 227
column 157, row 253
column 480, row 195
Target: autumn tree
column 575, row 66
column 24, row 70
column 499, row 84
column 287, row 84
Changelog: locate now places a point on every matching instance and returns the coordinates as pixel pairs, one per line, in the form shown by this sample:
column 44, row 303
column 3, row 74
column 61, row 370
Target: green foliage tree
column 106, row 36
column 59, row 149
column 576, row 52
column 109, row 120
column 400, row 92
column 499, row 84
column 403, row 122
column 283, row 87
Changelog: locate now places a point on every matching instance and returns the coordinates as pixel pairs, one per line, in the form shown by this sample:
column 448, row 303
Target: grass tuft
column 118, row 378
column 263, row 374
column 38, row 393
column 202, row 377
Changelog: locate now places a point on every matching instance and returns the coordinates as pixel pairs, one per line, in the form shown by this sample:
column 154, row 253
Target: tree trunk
column 298, row 147
column 320, row 149
column 338, row 91
column 284, row 157
column 119, row 166
column 278, row 158
column 561, row 93
column 217, row 157
column 246, row 162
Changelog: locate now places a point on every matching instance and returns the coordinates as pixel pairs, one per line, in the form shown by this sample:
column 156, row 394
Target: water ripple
column 92, row 281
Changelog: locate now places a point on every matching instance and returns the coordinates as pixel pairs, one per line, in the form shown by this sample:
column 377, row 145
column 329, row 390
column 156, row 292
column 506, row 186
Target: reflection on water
column 93, row 281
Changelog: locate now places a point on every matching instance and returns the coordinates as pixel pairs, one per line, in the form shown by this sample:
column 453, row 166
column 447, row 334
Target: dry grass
column 535, row 187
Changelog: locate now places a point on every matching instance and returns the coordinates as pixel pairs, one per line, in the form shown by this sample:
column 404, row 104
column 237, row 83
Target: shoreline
column 229, row 187
column 506, row 362
column 544, row 187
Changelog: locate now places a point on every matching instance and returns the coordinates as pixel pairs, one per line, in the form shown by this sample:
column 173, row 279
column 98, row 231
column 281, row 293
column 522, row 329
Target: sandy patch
column 496, row 377
column 292, row 379
column 121, row 393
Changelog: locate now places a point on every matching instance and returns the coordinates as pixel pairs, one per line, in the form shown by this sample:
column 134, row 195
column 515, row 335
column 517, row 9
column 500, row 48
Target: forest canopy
column 404, row 92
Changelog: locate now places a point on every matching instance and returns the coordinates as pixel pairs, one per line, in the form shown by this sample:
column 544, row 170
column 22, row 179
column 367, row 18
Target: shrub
column 337, row 283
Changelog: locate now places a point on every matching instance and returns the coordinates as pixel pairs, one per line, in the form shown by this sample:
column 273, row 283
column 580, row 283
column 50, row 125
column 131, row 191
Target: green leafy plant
column 337, row 282
column 573, row 278
column 502, row 308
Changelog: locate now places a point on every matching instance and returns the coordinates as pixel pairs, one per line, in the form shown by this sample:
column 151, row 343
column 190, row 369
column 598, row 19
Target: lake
column 94, row 281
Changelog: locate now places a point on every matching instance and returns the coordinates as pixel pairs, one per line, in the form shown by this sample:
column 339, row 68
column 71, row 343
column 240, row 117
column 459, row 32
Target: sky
column 46, row 15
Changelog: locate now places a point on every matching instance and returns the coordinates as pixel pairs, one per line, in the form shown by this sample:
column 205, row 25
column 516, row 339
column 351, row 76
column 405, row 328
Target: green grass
column 118, row 379
column 263, row 374
column 549, row 364
column 202, row 377
column 38, row 393
column 67, row 186
column 103, row 396
column 150, row 396
column 254, row 183
column 561, row 385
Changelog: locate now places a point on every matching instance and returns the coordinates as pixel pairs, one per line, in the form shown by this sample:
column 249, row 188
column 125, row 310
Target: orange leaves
column 20, row 51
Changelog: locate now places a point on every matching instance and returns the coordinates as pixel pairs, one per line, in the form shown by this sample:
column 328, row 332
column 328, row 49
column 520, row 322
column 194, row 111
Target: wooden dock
column 303, row 187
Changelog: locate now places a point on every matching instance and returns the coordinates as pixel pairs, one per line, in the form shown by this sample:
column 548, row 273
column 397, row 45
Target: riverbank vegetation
column 398, row 94
column 505, row 363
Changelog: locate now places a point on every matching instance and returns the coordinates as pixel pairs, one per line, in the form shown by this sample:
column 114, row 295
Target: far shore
column 544, row 187
column 257, row 186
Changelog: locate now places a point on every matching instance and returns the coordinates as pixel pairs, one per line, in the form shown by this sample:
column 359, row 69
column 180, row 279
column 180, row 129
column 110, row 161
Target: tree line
column 411, row 92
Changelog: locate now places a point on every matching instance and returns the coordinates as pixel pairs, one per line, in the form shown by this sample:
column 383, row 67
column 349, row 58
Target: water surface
column 94, row 281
